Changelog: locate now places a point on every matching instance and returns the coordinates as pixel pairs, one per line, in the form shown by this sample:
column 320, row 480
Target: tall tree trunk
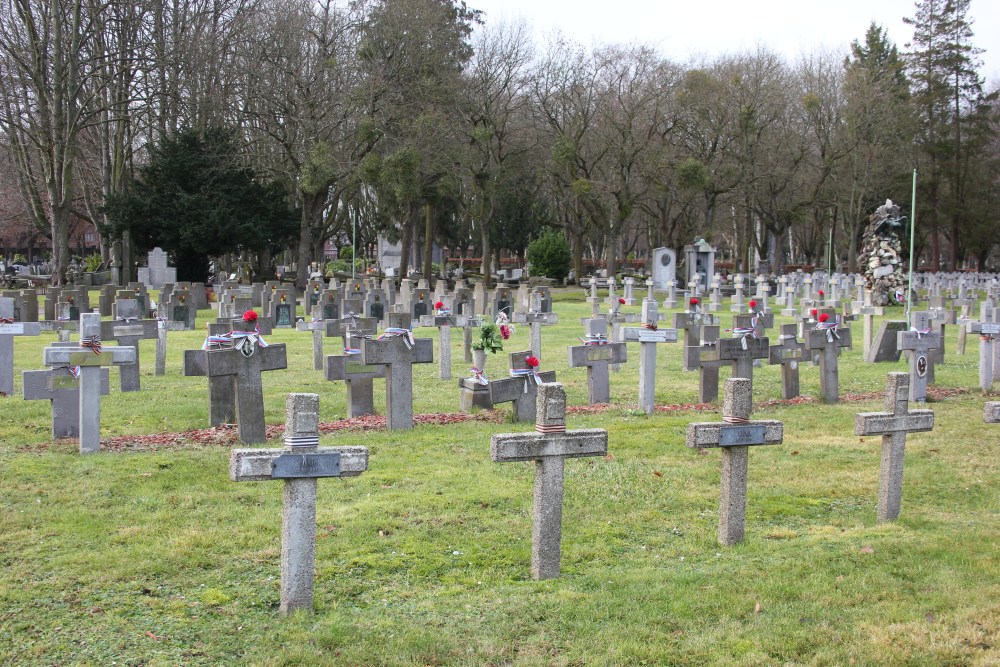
column 312, row 206
column 428, row 243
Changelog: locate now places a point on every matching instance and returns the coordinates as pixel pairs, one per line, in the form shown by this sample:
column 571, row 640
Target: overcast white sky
column 685, row 28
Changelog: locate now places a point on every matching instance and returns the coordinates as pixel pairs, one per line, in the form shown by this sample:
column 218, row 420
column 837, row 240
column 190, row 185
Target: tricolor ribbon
column 244, row 341
column 527, row 374
column 93, row 342
column 651, row 327
column 921, row 332
column 743, row 333
column 6, row 320
column 830, row 328
column 594, row 339
column 396, row 331
column 479, row 376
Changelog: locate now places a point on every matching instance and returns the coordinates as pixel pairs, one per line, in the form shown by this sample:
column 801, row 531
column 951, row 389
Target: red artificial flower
column 824, row 317
column 813, row 312
column 693, row 301
column 438, row 305
column 250, row 316
column 753, row 303
column 504, row 331
column 621, row 301
column 822, row 293
column 531, row 361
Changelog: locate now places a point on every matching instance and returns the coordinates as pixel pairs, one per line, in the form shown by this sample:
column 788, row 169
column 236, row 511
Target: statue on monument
column 881, row 256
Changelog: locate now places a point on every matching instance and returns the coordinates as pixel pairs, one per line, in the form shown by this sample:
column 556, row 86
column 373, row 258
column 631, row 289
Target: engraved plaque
column 297, row 466
column 741, row 435
column 598, row 353
column 283, row 315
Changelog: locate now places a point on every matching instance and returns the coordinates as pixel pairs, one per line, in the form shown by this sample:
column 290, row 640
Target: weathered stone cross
column 920, row 342
column 89, row 356
column 733, row 435
column 521, row 388
column 332, row 329
column 648, row 336
column 232, row 372
column 399, row 351
column 128, row 330
column 789, row 352
column 596, row 354
column 988, row 331
column 300, row 464
column 703, row 358
column 548, row 448
column 827, row 338
column 8, row 330
column 743, row 349
column 356, row 376
column 893, row 425
column 691, row 322
column 60, row 387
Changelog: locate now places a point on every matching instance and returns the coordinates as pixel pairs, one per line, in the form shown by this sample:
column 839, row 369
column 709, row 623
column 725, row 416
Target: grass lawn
column 150, row 555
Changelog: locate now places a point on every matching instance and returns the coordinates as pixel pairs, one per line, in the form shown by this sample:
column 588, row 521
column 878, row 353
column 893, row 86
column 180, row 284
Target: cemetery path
column 228, row 435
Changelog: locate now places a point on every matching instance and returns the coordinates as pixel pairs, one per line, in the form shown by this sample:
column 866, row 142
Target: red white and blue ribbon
column 830, row 328
column 235, row 339
column 479, row 376
column 406, row 334
column 744, row 333
column 92, row 342
column 921, row 332
column 529, row 374
column 594, row 339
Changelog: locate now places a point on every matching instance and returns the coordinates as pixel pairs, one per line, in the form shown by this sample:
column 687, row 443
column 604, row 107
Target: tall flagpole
column 913, row 224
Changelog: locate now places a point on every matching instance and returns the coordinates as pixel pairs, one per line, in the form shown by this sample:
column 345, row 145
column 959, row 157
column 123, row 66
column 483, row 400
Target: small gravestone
column 893, row 425
column 61, row 388
column 233, row 365
column 88, row 358
column 788, row 353
column 648, row 336
column 549, row 448
column 357, row 377
column 398, row 350
column 597, row 353
column 828, row 338
column 884, row 348
column 521, row 388
column 127, row 330
column 743, row 348
column 300, row 464
column 991, row 413
column 9, row 329
column 734, row 435
column 703, row 358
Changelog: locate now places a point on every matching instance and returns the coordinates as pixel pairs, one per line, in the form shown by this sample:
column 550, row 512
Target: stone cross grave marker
column 163, row 326
column 893, row 425
column 691, row 322
column 521, row 388
column 300, row 463
column 919, row 342
column 868, row 312
column 233, row 365
column 736, row 303
column 443, row 320
column 549, row 448
column 703, row 358
column 648, row 336
column 594, row 300
column 828, row 338
column 398, row 350
column 356, row 376
column 127, row 330
column 89, row 357
column 734, row 435
column 988, row 331
column 60, row 387
column 991, row 413
column 596, row 354
column 535, row 318
column 743, row 348
column 333, row 329
column 789, row 352
column 8, row 330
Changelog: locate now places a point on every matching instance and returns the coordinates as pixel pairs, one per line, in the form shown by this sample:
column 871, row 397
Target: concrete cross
column 89, row 356
column 8, row 330
column 398, row 351
column 549, row 448
column 356, row 376
column 691, row 322
column 988, row 331
column 827, row 338
column 736, row 303
column 596, row 354
column 789, row 352
column 61, row 389
column 991, row 413
column 893, row 425
column 443, row 322
column 300, row 464
column 743, row 348
column 521, row 388
column 703, row 358
column 235, row 376
column 648, row 336
column 734, row 435
column 593, row 299
column 868, row 312
column 128, row 329
column 333, row 329
column 535, row 318
column 919, row 342
column 163, row 326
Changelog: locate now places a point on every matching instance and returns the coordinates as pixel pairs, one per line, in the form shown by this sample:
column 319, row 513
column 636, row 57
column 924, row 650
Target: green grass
column 153, row 557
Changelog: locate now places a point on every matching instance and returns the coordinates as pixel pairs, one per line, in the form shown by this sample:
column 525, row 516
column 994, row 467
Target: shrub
column 549, row 255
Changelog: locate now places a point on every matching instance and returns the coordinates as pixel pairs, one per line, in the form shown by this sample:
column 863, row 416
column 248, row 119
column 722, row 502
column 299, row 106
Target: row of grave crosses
column 302, row 462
